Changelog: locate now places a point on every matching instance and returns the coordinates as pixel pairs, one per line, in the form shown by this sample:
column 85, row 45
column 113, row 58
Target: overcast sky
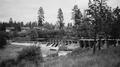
column 26, row 10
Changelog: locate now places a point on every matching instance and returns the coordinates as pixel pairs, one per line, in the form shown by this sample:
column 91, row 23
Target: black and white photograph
column 59, row 33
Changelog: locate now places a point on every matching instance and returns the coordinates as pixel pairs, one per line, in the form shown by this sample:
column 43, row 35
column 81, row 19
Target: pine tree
column 11, row 22
column 40, row 16
column 60, row 18
column 101, row 16
column 76, row 15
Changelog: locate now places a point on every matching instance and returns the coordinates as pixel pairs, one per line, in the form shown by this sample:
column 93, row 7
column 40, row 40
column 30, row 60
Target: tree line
column 98, row 21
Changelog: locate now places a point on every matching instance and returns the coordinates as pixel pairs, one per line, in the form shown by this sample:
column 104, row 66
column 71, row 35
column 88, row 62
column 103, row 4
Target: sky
column 26, row 10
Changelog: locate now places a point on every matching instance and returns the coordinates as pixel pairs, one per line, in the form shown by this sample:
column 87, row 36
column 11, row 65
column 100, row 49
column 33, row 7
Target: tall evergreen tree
column 11, row 22
column 21, row 24
column 100, row 13
column 76, row 15
column 115, row 32
column 40, row 16
column 101, row 16
column 60, row 18
column 77, row 18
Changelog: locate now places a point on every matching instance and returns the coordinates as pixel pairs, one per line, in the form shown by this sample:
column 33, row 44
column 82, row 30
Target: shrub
column 8, row 63
column 2, row 42
column 31, row 53
column 28, row 56
column 3, row 39
column 53, row 55
column 79, row 51
column 63, row 48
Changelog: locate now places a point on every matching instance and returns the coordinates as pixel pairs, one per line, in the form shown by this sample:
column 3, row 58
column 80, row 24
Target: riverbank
column 109, row 57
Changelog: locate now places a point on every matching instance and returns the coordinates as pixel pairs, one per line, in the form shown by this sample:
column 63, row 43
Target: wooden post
column 79, row 44
column 105, row 44
column 89, row 43
column 117, row 42
column 84, row 44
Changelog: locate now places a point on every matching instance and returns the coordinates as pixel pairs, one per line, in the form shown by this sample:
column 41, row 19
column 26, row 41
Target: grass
column 23, row 58
column 10, row 51
column 84, row 58
column 78, row 58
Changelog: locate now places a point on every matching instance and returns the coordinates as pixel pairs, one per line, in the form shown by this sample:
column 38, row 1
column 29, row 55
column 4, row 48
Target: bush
column 63, row 48
column 31, row 53
column 3, row 39
column 79, row 51
column 29, row 56
column 8, row 63
column 2, row 42
column 53, row 55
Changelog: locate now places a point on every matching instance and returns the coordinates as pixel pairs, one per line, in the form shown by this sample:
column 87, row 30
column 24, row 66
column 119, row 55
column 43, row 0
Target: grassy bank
column 84, row 58
column 109, row 57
